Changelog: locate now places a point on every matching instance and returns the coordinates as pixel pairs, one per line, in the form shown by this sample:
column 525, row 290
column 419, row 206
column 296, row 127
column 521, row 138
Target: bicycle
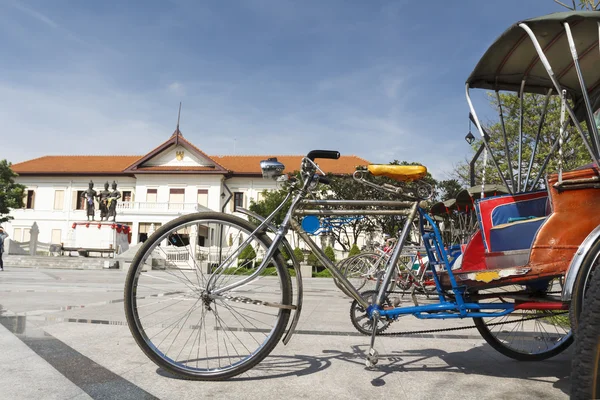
column 219, row 295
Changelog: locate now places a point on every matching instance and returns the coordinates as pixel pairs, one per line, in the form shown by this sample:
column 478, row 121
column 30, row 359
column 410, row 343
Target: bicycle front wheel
column 175, row 315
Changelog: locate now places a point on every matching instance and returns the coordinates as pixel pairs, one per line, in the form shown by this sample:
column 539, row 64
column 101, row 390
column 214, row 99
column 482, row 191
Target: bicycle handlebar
column 331, row 154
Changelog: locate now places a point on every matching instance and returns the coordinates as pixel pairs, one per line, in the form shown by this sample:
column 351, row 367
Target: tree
column 590, row 5
column 11, row 193
column 330, row 253
column 299, row 254
column 247, row 255
column 574, row 151
column 270, row 201
column 448, row 189
column 354, row 251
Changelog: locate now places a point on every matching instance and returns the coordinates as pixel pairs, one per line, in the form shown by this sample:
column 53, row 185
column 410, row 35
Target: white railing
column 128, row 206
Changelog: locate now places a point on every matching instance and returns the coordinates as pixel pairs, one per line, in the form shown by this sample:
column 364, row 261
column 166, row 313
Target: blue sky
column 383, row 80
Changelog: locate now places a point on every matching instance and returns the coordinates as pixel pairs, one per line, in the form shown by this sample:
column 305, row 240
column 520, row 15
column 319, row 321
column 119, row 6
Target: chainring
column 360, row 319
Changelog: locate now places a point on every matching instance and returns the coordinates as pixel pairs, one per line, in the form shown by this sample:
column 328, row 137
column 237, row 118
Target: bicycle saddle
column 403, row 173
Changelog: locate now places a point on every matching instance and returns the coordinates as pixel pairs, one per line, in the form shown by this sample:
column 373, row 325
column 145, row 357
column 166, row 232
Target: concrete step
column 57, row 262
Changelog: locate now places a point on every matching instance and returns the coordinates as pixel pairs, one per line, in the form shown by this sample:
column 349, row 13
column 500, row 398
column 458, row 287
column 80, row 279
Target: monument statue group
column 107, row 201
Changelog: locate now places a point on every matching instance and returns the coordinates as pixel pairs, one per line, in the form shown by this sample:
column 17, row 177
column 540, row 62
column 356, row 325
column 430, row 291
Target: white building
column 174, row 178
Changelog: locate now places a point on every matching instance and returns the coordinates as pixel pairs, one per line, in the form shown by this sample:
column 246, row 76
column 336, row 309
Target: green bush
column 299, row 254
column 322, row 274
column 330, row 253
column 285, row 254
column 354, row 251
column 246, row 256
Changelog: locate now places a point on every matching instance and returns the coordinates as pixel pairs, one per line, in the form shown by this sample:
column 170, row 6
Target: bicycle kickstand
column 373, row 355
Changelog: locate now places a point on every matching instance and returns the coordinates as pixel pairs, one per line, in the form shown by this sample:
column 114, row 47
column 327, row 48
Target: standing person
column 3, row 235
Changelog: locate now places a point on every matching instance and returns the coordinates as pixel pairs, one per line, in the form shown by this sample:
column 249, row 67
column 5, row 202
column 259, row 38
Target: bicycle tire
column 512, row 343
column 582, row 283
column 190, row 292
column 585, row 370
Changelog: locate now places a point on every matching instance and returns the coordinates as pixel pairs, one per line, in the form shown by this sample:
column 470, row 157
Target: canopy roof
column 443, row 207
column 467, row 196
column 513, row 57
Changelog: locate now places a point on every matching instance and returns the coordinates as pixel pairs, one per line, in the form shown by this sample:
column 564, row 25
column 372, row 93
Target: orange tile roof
column 116, row 165
column 62, row 165
column 251, row 164
column 165, row 168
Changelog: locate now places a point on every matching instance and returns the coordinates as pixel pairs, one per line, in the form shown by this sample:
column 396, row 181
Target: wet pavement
column 63, row 335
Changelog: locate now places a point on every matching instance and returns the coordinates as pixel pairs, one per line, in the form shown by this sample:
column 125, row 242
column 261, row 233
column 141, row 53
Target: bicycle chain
column 462, row 327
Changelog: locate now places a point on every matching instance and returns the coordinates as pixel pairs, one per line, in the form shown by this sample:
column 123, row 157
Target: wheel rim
column 178, row 318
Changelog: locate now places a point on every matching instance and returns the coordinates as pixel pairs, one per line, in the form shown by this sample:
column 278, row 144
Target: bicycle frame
column 456, row 307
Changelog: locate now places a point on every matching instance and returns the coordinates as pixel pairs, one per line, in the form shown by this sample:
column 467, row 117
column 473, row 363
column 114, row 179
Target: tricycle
column 219, row 309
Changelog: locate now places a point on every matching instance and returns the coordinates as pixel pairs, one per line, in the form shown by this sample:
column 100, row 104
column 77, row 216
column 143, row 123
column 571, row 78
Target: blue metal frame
column 445, row 309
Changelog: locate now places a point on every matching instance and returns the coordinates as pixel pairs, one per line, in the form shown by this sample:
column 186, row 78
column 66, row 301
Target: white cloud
column 35, row 14
column 176, row 88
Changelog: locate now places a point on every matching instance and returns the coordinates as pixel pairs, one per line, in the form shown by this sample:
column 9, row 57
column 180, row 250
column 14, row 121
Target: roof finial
column 177, row 132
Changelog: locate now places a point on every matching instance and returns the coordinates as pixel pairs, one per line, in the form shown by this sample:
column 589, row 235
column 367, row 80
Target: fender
column 292, row 327
column 576, row 262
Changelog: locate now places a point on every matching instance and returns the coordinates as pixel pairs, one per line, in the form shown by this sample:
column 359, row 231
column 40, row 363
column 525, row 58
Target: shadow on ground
column 474, row 361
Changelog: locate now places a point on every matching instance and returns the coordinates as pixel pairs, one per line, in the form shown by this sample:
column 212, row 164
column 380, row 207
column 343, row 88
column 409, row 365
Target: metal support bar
column 391, row 265
column 352, row 212
column 586, row 97
column 545, row 163
column 472, row 164
column 548, row 67
column 537, row 137
column 357, row 203
column 519, row 167
column 349, row 289
column 563, row 101
column 485, row 137
column 506, row 148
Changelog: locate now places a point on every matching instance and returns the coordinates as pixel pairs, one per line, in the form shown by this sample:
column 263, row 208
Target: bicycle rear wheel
column 172, row 310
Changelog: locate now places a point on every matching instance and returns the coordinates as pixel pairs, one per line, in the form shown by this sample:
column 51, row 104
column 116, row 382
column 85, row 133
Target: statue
column 89, row 196
column 103, row 202
column 112, row 201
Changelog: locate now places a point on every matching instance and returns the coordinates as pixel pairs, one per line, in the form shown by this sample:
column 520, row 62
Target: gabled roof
column 176, row 139
column 235, row 165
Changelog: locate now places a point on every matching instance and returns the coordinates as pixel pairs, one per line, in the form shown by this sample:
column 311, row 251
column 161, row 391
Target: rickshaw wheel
column 526, row 335
column 582, row 283
column 586, row 360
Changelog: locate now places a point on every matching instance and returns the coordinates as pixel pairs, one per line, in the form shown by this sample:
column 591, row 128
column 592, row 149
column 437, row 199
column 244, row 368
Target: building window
column 59, row 199
column 151, row 195
column 203, row 197
column 127, row 195
column 56, row 236
column 26, row 234
column 238, row 200
column 29, row 199
column 176, row 199
column 79, row 200
column 17, row 234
